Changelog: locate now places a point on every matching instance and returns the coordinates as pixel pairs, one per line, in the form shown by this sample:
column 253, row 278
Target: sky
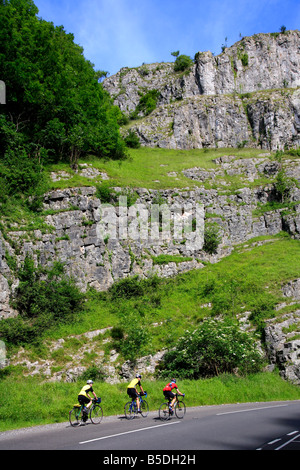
column 128, row 33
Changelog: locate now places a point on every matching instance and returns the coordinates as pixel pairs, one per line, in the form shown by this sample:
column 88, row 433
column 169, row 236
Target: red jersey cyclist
column 167, row 390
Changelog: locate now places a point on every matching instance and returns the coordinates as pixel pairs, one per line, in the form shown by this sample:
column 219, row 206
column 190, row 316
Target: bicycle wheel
column 163, row 412
column 180, row 409
column 75, row 416
column 129, row 410
column 144, row 409
column 96, row 414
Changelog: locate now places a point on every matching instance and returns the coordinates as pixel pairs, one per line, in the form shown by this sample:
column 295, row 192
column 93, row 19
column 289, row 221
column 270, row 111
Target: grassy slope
column 149, row 167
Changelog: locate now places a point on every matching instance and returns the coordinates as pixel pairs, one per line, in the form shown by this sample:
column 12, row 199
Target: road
column 250, row 426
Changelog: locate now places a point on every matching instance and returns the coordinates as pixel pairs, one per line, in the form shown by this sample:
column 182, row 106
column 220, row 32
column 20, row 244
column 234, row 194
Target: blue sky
column 120, row 33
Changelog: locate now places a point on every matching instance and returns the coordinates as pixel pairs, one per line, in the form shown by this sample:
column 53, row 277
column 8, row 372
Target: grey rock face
column 75, row 239
column 222, row 101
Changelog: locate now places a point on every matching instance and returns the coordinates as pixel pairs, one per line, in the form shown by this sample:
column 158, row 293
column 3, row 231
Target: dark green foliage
column 214, row 348
column 245, row 59
column 182, row 63
column 55, row 107
column 211, row 238
column 43, row 299
column 104, row 192
column 117, row 333
column 93, row 373
column 132, row 140
column 283, row 185
column 133, row 287
column 147, row 104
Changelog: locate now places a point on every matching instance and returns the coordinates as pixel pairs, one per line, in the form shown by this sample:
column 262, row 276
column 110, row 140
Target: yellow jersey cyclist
column 84, row 397
column 132, row 390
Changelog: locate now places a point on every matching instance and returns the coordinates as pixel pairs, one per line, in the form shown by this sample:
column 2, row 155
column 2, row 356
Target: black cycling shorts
column 132, row 392
column 169, row 395
column 83, row 400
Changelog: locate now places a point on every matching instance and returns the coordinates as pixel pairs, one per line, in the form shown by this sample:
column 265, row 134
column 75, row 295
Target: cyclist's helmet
column 138, row 376
column 174, row 381
column 89, row 382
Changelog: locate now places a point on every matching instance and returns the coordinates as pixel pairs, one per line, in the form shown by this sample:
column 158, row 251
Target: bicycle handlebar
column 97, row 400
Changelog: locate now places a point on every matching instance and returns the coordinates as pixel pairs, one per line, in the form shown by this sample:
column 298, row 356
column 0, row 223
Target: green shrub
column 245, row 59
column 93, row 373
column 211, row 238
column 182, row 63
column 283, row 186
column 147, row 104
column 127, row 288
column 214, row 348
column 131, row 287
column 132, row 140
column 104, row 192
column 43, row 298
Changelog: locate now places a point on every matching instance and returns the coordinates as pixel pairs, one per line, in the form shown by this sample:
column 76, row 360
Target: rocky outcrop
column 282, row 352
column 77, row 219
column 268, row 120
column 222, row 101
column 262, row 61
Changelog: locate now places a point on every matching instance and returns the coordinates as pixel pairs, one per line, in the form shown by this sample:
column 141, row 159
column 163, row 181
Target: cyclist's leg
column 84, row 401
column 171, row 398
column 138, row 402
column 89, row 404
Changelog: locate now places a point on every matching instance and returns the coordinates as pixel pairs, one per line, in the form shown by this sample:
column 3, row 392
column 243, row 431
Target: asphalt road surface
column 250, row 426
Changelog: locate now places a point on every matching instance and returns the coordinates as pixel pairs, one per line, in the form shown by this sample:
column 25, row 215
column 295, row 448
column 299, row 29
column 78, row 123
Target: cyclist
column 167, row 391
column 132, row 391
column 84, row 398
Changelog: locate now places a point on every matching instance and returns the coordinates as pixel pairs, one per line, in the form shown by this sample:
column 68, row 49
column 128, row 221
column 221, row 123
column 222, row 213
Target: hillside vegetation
column 58, row 121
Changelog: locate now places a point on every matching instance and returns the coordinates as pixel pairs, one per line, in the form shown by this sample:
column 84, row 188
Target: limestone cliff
column 248, row 95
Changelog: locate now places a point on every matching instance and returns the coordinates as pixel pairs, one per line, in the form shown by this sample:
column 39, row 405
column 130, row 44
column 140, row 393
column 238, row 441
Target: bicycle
column 131, row 409
column 77, row 416
column 165, row 412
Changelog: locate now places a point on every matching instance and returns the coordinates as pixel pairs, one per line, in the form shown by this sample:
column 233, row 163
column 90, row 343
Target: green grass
column 28, row 402
column 149, row 167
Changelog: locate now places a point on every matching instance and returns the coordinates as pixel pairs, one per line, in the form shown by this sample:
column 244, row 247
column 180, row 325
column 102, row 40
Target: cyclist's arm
column 179, row 393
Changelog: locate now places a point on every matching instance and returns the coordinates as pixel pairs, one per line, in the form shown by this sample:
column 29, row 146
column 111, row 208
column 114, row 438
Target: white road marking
column 128, row 432
column 291, row 433
column 273, row 442
column 286, row 443
column 251, row 409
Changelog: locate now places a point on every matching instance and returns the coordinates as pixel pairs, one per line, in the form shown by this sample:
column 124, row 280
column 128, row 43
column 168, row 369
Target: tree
column 182, row 63
column 54, row 98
